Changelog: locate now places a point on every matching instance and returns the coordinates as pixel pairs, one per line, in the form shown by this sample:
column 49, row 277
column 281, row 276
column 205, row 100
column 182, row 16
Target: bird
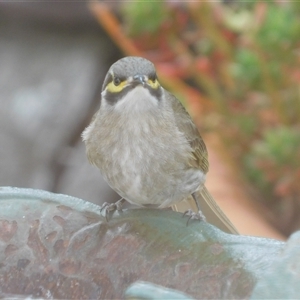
column 146, row 145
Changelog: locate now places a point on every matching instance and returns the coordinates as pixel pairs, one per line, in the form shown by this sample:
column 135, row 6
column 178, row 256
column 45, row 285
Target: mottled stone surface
column 281, row 280
column 56, row 246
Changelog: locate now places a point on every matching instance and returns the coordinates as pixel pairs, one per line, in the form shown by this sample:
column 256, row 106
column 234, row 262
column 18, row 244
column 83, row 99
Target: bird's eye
column 117, row 81
column 153, row 79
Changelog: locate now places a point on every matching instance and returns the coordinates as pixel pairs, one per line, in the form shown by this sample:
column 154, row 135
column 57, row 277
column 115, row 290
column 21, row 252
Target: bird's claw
column 110, row 208
column 194, row 216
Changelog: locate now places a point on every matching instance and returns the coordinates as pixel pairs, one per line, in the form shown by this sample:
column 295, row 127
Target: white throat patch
column 137, row 100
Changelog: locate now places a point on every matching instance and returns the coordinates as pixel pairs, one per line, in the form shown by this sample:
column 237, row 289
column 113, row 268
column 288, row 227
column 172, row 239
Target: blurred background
column 234, row 65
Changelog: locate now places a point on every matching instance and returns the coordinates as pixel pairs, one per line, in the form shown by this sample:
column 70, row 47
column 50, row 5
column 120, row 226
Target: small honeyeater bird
column 146, row 145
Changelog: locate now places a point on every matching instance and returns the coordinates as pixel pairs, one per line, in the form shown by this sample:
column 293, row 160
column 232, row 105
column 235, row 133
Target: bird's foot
column 110, row 208
column 194, row 216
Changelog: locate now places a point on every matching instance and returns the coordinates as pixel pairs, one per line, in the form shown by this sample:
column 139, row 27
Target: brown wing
column 199, row 157
column 199, row 160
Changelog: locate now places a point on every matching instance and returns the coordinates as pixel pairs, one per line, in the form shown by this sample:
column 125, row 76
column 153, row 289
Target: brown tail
column 210, row 209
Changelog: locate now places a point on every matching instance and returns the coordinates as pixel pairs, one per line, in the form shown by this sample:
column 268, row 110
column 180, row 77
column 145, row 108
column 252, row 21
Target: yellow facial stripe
column 154, row 84
column 112, row 88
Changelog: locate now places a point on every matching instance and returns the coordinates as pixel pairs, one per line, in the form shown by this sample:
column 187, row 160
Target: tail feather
column 210, row 209
column 210, row 201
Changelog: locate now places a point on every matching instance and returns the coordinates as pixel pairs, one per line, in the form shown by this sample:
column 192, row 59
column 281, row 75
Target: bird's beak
column 139, row 79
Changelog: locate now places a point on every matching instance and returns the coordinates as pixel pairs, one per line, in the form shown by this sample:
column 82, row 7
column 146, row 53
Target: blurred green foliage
column 246, row 61
column 272, row 160
column 137, row 14
column 280, row 31
column 244, row 57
